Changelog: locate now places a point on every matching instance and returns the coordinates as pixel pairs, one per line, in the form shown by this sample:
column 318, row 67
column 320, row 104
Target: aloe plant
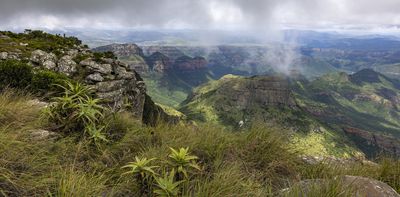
column 76, row 110
column 96, row 133
column 143, row 172
column 183, row 162
column 167, row 186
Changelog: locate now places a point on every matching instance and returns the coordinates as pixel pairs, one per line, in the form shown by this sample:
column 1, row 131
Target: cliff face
column 234, row 99
column 260, row 90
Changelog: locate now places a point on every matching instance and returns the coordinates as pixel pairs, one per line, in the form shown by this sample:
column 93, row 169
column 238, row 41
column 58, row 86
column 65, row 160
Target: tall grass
column 17, row 108
column 253, row 162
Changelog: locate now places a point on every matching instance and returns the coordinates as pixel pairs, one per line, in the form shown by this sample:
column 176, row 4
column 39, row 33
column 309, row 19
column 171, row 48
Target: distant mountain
column 363, row 107
column 174, row 70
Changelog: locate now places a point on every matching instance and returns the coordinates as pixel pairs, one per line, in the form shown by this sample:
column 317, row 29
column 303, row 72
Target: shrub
column 20, row 75
column 44, row 81
column 15, row 74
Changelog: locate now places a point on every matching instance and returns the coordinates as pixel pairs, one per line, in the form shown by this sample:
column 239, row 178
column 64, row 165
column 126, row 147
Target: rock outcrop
column 120, row 87
column 121, row 50
column 116, row 83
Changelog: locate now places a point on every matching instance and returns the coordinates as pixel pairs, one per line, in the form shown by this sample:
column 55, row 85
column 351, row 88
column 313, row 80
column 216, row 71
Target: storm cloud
column 215, row 14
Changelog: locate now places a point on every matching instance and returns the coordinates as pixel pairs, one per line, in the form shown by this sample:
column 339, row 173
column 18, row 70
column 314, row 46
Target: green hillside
column 233, row 99
column 318, row 112
column 366, row 100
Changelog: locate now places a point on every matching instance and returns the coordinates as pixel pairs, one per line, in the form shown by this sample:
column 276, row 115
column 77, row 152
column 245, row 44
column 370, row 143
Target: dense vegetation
column 218, row 162
column 30, row 40
column 18, row 74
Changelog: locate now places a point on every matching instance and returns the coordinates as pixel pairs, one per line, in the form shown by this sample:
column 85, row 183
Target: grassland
column 254, row 162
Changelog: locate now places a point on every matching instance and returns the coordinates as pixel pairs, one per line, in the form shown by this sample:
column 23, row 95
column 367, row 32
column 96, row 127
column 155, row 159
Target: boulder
column 95, row 77
column 73, row 53
column 366, row 187
column 48, row 64
column 121, row 73
column 41, row 134
column 110, row 96
column 355, row 185
column 95, row 67
column 40, row 57
column 108, row 86
column 4, row 37
column 38, row 103
column 3, row 55
column 67, row 66
column 14, row 55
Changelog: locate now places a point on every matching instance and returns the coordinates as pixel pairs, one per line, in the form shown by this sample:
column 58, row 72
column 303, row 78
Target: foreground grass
column 256, row 162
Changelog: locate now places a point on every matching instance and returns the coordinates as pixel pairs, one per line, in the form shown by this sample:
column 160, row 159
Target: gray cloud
column 197, row 13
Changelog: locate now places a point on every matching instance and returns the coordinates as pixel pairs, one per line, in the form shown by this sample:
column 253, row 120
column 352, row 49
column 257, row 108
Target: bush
column 44, row 81
column 15, row 74
column 20, row 75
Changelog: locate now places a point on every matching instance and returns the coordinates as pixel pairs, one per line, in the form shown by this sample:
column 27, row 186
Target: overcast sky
column 377, row 15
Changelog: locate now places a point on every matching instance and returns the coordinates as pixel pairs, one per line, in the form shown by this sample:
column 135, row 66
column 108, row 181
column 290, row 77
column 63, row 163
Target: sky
column 364, row 15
